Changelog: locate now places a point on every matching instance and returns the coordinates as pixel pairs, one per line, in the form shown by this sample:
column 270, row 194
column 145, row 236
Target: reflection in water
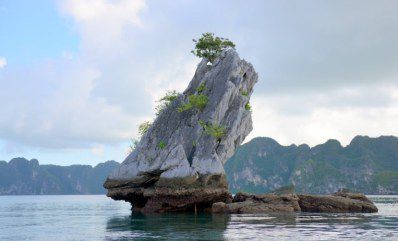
column 168, row 227
column 288, row 226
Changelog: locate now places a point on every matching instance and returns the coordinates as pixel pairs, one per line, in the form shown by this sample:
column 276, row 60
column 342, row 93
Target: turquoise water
column 99, row 218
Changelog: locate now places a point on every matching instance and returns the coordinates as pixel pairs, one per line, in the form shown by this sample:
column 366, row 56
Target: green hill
column 368, row 165
column 23, row 177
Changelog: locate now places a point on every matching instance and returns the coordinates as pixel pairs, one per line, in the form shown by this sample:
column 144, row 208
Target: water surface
column 99, row 218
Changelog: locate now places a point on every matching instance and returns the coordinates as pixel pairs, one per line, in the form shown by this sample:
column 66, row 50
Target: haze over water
column 99, row 218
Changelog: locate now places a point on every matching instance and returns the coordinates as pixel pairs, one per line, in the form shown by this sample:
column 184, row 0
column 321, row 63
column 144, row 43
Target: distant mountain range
column 368, row 165
column 23, row 177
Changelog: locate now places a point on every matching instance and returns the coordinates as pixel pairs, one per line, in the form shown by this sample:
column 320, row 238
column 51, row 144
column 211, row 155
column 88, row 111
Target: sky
column 78, row 76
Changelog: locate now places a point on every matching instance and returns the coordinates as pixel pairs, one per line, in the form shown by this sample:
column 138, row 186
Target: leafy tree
column 210, row 46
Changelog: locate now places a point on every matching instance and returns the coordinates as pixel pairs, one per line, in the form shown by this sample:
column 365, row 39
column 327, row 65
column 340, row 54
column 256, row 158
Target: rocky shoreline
column 339, row 202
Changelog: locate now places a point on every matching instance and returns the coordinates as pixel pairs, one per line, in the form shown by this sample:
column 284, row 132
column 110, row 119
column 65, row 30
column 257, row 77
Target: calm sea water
column 99, row 218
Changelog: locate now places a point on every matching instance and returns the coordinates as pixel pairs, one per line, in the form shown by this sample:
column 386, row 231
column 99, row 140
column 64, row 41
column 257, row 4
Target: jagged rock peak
column 186, row 148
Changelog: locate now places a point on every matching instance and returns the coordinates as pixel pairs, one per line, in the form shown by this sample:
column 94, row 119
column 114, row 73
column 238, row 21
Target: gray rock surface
column 191, row 159
column 261, row 203
column 268, row 203
column 341, row 201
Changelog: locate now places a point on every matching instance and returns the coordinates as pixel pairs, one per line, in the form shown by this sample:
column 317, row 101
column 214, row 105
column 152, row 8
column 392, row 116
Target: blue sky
column 33, row 30
column 78, row 76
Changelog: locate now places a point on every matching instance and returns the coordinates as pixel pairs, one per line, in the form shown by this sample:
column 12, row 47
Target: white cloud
column 3, row 62
column 316, row 117
column 100, row 94
column 103, row 24
column 61, row 103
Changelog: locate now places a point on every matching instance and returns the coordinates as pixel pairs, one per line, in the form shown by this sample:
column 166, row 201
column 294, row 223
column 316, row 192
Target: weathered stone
column 352, row 195
column 219, row 207
column 188, row 171
column 264, row 203
column 354, row 203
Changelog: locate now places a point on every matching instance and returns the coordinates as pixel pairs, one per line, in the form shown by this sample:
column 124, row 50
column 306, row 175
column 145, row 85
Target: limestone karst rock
column 178, row 164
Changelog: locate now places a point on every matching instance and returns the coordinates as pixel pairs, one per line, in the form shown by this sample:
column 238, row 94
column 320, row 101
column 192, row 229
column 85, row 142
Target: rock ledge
column 267, row 203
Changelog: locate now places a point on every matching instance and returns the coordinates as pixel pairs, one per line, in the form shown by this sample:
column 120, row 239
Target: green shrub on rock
column 144, row 127
column 248, row 106
column 201, row 88
column 161, row 144
column 209, row 46
column 166, row 100
column 197, row 100
column 194, row 101
column 215, row 130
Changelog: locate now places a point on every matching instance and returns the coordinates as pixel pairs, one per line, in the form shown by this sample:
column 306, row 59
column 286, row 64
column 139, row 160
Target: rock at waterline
column 178, row 164
column 339, row 202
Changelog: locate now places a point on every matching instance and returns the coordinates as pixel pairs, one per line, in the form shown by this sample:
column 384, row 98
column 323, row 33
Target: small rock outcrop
column 178, row 164
column 339, row 202
column 268, row 203
column 261, row 203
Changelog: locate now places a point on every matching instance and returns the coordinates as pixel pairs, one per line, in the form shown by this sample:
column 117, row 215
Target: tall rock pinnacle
column 178, row 164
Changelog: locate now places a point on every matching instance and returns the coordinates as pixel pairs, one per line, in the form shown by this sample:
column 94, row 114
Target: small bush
column 161, row 144
column 209, row 46
column 194, row 101
column 202, row 123
column 144, row 127
column 248, row 106
column 166, row 100
column 245, row 93
column 214, row 130
column 198, row 100
column 201, row 88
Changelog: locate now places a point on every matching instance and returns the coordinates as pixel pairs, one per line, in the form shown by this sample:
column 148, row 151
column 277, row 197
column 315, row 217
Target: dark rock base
column 266, row 203
column 155, row 195
column 160, row 200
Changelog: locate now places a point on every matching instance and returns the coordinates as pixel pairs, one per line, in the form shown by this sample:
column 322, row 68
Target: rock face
column 261, row 203
column 337, row 203
column 177, row 165
column 266, row 203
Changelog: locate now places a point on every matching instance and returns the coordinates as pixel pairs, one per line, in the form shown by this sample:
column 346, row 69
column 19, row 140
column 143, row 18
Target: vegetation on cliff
column 209, row 46
column 368, row 165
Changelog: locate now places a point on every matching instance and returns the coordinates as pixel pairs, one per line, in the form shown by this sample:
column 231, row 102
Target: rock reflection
column 167, row 227
column 281, row 226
